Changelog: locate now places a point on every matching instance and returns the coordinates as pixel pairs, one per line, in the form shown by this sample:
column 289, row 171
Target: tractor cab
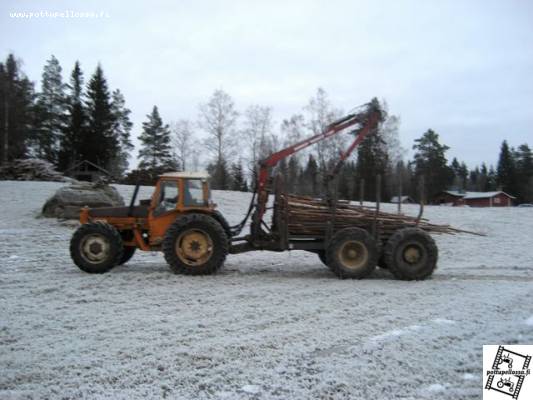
column 180, row 191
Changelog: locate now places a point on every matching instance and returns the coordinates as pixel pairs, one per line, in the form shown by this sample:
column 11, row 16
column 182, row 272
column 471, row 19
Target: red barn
column 449, row 197
column 488, row 199
column 474, row 199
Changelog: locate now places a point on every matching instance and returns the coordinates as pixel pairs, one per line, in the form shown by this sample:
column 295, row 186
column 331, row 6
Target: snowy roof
column 455, row 193
column 186, row 174
column 484, row 195
column 394, row 199
column 477, row 195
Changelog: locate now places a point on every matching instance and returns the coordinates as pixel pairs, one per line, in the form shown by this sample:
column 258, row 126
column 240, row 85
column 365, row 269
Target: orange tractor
column 181, row 221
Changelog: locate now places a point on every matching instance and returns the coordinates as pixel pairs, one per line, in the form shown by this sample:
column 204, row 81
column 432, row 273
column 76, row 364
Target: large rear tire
column 196, row 244
column 96, row 247
column 411, row 254
column 352, row 253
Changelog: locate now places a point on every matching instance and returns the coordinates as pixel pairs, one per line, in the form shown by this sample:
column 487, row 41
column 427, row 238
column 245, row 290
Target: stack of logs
column 308, row 216
column 31, row 169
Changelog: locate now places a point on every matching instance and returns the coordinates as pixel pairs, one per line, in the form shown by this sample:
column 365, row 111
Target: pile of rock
column 68, row 200
column 31, row 169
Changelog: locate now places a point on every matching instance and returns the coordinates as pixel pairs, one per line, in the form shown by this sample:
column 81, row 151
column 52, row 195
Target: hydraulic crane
column 365, row 121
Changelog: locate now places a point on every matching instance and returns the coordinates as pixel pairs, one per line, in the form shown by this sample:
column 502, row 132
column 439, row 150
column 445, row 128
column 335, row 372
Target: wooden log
column 308, row 216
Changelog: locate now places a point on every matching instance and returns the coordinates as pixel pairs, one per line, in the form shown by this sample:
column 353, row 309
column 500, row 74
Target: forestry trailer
column 181, row 221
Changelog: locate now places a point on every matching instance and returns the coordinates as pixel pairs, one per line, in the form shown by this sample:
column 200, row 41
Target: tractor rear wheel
column 127, row 254
column 411, row 254
column 195, row 244
column 352, row 253
column 96, row 247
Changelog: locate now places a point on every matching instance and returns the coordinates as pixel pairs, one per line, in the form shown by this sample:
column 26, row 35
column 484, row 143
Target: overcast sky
column 462, row 68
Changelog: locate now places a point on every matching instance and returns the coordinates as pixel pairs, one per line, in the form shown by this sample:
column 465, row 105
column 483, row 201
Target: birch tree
column 182, row 138
column 218, row 118
column 257, row 133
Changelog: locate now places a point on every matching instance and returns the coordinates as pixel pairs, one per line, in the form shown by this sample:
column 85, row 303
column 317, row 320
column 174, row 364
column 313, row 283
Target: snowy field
column 268, row 326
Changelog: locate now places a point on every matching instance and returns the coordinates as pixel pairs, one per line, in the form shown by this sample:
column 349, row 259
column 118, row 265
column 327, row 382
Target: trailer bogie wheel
column 322, row 255
column 196, row 244
column 411, row 254
column 352, row 253
column 96, row 247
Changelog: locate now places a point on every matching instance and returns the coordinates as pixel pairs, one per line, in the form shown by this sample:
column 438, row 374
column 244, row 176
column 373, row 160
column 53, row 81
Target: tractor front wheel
column 352, row 253
column 196, row 244
column 96, row 247
column 411, row 254
column 127, row 254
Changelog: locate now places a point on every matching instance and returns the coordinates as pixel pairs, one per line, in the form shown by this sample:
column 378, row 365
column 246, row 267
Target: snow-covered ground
column 268, row 326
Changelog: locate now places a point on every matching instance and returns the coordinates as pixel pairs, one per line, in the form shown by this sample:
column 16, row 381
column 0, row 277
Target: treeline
column 63, row 123
column 68, row 122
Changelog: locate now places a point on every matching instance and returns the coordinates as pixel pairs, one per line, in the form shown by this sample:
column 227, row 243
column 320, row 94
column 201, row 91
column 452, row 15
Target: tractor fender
column 220, row 218
column 217, row 215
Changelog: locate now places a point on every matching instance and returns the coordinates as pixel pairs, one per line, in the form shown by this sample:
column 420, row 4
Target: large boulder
column 68, row 200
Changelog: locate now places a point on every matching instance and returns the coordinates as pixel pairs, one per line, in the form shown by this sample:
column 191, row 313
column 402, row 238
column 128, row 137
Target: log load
column 310, row 217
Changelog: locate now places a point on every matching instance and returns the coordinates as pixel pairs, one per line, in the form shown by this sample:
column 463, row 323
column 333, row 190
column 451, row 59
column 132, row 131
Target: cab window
column 193, row 193
column 168, row 197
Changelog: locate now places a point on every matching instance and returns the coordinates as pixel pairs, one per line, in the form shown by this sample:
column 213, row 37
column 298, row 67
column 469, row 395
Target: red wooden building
column 449, row 197
column 474, row 199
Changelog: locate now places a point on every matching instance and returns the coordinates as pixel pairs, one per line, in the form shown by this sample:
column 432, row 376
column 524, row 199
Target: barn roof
column 187, row 174
column 87, row 162
column 455, row 193
column 484, row 195
column 476, row 195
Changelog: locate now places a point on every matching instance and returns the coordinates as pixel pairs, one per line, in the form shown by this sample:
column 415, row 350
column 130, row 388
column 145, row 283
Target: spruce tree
column 524, row 166
column 156, row 153
column 506, row 170
column 345, row 181
column 474, row 180
column 484, row 178
column 121, row 130
column 430, row 162
column 492, row 179
column 455, row 166
column 463, row 176
column 76, row 122
column 238, row 181
column 293, row 175
column 100, row 144
column 220, row 175
column 17, row 104
column 372, row 160
column 50, row 112
column 310, row 178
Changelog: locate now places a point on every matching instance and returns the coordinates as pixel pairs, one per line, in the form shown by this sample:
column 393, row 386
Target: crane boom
column 367, row 119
